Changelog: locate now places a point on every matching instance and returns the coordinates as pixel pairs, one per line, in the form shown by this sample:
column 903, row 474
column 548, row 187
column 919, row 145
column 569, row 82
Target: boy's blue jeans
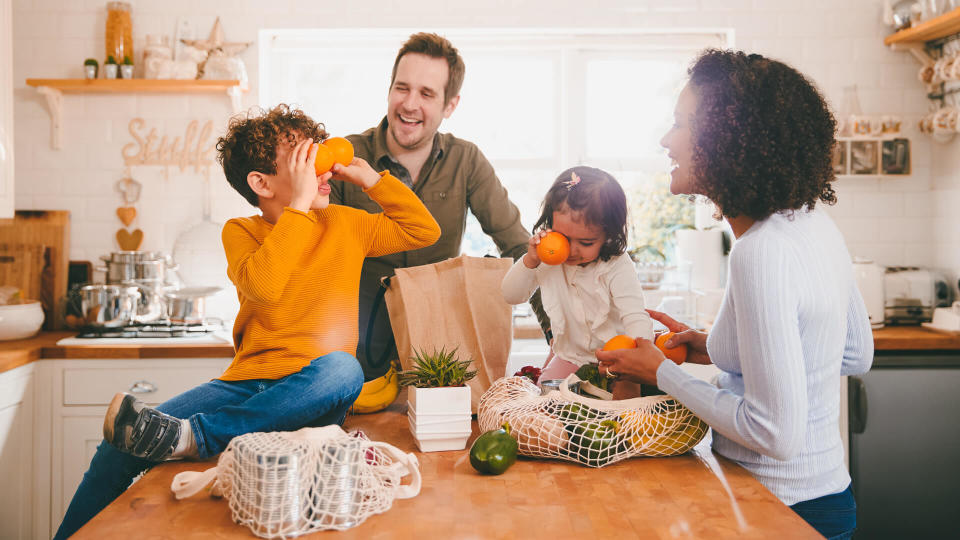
column 317, row 395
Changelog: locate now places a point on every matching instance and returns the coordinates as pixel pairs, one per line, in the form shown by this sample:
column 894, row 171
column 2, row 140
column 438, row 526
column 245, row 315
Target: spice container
column 119, row 34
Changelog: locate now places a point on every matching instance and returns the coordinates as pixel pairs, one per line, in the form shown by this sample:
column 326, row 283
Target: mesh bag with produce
column 285, row 484
column 594, row 432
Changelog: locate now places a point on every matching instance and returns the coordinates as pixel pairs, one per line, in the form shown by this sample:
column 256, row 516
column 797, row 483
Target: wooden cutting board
column 22, row 267
column 49, row 229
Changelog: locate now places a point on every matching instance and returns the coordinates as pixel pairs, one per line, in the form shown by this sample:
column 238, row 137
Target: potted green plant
column 110, row 68
column 438, row 399
column 90, row 67
column 126, row 70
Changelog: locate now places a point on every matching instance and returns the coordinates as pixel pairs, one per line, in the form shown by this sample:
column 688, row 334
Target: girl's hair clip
column 574, row 180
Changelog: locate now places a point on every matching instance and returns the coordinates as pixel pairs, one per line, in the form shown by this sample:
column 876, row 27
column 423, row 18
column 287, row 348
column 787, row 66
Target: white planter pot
column 126, row 71
column 439, row 418
column 110, row 71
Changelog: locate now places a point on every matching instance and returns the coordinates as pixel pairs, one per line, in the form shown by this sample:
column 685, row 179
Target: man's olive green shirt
column 455, row 178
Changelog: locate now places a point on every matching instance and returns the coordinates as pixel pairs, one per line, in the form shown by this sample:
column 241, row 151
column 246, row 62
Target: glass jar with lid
column 119, row 31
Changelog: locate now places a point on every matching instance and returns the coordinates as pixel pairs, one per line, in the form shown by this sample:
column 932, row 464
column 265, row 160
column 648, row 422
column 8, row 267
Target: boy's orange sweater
column 298, row 280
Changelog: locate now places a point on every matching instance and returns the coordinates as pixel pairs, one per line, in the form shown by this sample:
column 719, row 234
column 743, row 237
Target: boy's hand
column 299, row 170
column 531, row 259
column 359, row 172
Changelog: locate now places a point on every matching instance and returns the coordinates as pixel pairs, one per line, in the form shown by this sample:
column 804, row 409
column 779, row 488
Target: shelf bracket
column 917, row 50
column 233, row 93
column 55, row 108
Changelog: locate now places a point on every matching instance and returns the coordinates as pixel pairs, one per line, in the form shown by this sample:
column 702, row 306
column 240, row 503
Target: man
column 450, row 175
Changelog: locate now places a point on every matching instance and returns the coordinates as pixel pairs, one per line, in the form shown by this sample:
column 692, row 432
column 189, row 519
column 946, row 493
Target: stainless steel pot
column 188, row 305
column 149, row 267
column 109, row 305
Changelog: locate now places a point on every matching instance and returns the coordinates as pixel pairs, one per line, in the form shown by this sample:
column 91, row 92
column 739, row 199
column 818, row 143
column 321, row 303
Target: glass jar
column 119, row 31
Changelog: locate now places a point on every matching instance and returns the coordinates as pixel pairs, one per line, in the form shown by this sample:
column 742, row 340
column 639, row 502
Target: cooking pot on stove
column 108, row 306
column 188, row 305
column 137, row 266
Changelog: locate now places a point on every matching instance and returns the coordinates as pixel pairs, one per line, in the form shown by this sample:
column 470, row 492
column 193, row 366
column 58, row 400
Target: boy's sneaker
column 139, row 430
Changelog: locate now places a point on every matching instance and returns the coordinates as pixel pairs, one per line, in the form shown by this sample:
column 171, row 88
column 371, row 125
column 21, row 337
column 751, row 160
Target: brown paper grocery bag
column 454, row 303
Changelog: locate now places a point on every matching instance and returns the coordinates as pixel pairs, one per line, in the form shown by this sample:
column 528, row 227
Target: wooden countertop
column 16, row 353
column 676, row 497
column 914, row 338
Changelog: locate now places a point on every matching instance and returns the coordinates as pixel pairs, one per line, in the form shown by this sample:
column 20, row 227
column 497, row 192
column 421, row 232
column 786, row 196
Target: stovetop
column 153, row 330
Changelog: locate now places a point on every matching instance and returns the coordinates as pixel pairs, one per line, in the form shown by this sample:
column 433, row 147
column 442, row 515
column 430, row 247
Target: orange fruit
column 325, row 159
column 554, row 248
column 342, row 150
column 620, row 342
column 677, row 354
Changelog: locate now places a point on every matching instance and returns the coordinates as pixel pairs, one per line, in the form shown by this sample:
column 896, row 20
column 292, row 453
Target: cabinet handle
column 858, row 405
column 143, row 387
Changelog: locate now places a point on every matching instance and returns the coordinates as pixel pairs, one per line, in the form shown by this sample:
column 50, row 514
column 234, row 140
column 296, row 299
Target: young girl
column 594, row 295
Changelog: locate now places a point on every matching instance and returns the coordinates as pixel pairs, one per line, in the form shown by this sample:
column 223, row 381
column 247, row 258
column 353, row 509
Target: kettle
column 869, row 277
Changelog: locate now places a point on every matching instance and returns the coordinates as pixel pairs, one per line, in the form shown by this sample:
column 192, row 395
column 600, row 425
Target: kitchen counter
column 44, row 346
column 914, row 338
column 638, row 498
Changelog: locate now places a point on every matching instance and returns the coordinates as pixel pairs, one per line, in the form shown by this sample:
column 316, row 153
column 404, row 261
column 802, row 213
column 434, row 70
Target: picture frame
column 895, row 157
column 864, row 157
column 840, row 163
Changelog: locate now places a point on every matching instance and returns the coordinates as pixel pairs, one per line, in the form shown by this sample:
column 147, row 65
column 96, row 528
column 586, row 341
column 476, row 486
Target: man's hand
column 532, row 259
column 298, row 170
column 696, row 341
column 359, row 172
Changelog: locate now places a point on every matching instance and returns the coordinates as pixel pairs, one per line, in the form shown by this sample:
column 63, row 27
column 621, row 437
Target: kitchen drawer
column 97, row 386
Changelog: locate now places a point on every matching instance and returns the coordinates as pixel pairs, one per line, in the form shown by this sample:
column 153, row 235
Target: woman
column 756, row 138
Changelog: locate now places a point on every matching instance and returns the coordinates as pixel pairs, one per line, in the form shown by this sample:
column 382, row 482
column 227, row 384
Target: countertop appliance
column 904, row 444
column 911, row 294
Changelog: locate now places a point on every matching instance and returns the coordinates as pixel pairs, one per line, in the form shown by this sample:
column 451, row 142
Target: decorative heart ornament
column 126, row 215
column 129, row 241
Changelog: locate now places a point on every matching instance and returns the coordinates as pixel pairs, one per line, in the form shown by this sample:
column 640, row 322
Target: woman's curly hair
column 251, row 143
column 763, row 136
column 597, row 197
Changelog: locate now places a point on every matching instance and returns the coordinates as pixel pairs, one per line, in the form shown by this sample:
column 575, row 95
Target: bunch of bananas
column 377, row 394
column 663, row 434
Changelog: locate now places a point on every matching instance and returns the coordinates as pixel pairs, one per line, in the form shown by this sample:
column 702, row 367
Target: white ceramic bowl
column 19, row 321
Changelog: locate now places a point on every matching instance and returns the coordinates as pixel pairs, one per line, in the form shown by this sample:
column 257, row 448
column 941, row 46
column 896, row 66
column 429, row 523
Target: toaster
column 911, row 294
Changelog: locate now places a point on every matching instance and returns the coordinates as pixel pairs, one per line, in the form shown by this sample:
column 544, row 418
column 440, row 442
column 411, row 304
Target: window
column 536, row 101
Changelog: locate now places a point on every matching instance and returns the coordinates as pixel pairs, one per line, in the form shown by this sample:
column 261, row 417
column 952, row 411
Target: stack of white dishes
column 439, row 418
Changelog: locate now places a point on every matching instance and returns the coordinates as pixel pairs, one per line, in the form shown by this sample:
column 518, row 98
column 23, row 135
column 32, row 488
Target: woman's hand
column 358, row 172
column 696, row 341
column 531, row 259
column 635, row 365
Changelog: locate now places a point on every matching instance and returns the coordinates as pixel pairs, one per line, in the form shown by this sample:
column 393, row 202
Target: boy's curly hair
column 598, row 197
column 251, row 143
column 763, row 136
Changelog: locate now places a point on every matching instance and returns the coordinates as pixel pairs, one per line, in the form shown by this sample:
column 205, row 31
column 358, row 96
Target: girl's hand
column 696, row 341
column 359, row 172
column 299, row 171
column 637, row 365
column 531, row 259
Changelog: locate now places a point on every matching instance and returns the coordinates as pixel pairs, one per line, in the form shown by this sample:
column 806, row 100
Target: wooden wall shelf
column 53, row 90
column 936, row 28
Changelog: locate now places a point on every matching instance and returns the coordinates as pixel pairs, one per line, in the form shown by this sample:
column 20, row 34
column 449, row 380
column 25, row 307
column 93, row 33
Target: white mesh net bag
column 285, row 484
column 562, row 424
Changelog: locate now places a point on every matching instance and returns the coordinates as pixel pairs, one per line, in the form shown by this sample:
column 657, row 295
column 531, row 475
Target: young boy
column 297, row 272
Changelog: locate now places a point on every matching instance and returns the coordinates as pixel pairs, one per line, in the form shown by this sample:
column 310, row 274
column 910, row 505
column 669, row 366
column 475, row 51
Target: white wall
column 837, row 43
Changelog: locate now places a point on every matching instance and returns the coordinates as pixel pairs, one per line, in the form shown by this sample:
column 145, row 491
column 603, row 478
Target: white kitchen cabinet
column 81, row 392
column 16, row 452
column 6, row 109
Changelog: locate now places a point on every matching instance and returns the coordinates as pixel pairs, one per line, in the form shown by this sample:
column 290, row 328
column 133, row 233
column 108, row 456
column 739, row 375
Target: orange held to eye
column 677, row 354
column 342, row 150
column 333, row 150
column 554, row 248
column 324, row 159
column 620, row 342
